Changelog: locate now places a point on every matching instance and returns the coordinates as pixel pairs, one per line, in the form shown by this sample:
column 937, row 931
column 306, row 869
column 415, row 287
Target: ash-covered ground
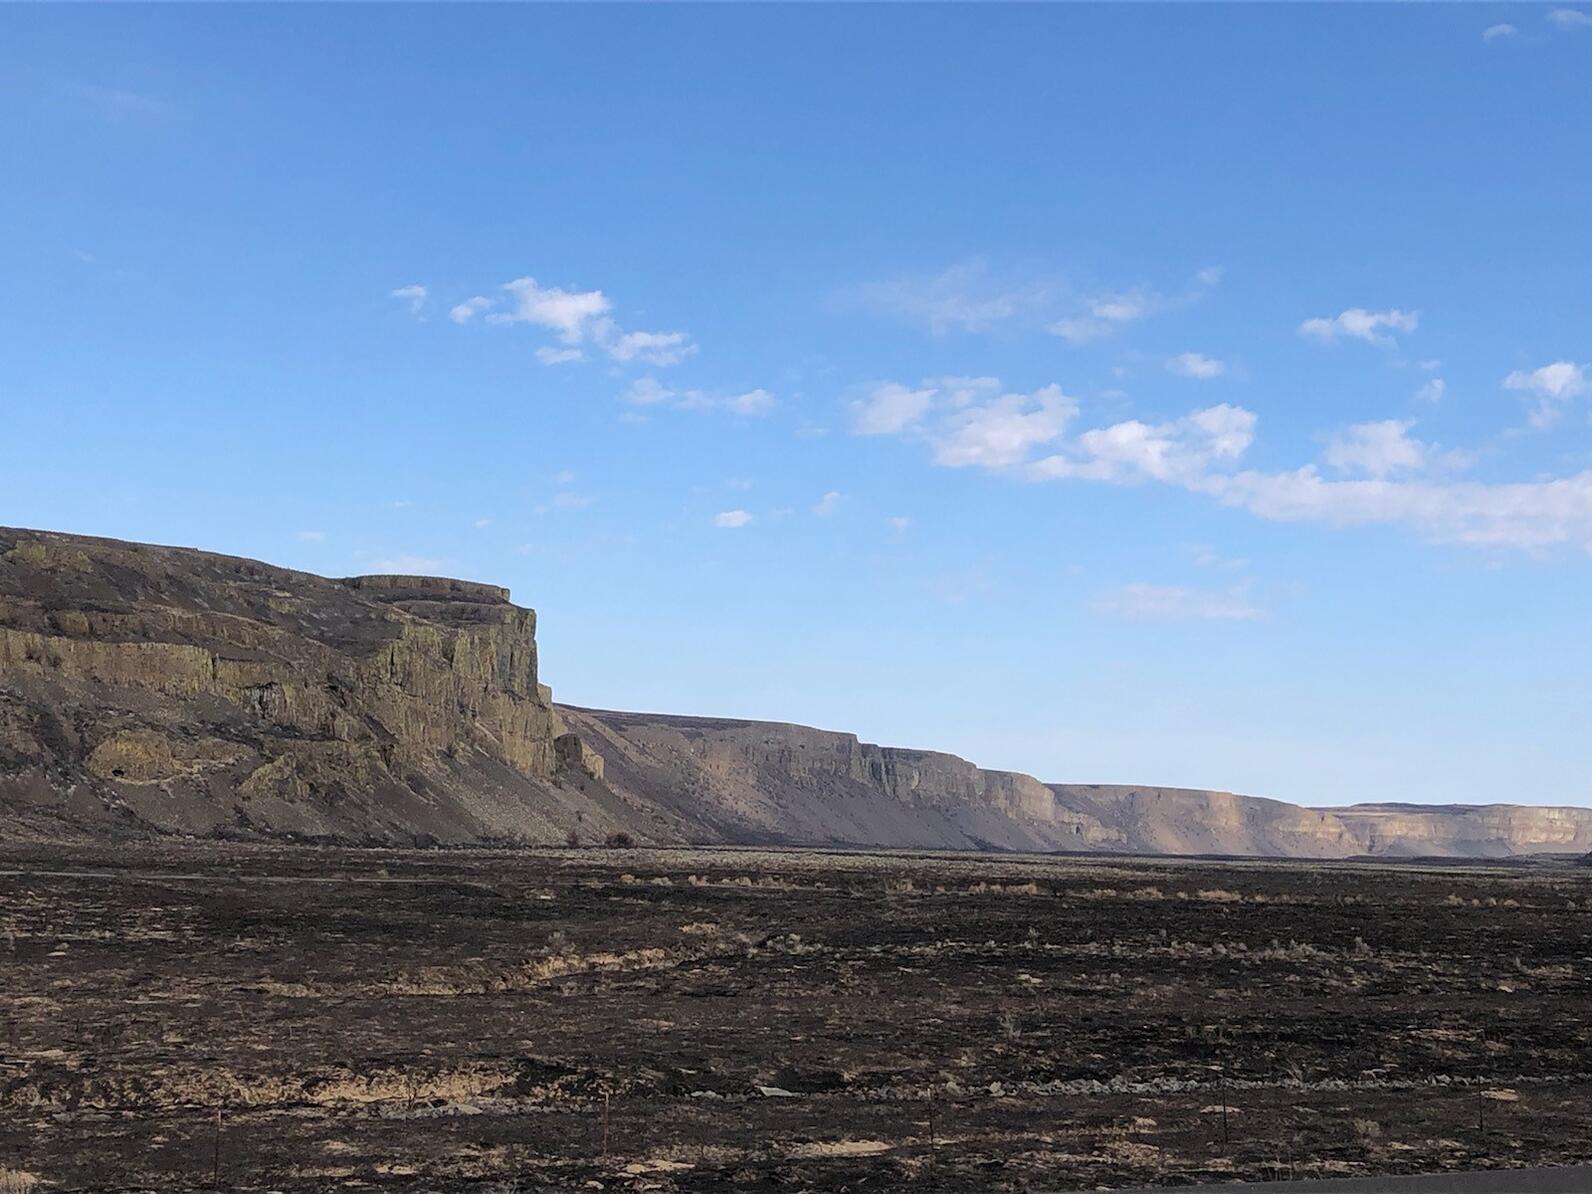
column 691, row 1020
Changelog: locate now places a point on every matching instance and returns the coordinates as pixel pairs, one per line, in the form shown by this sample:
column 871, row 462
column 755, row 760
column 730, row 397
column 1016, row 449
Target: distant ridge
column 152, row 690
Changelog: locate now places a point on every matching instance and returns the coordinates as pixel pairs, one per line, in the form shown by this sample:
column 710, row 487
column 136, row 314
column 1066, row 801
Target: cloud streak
column 1143, row 602
column 1383, row 474
column 1373, row 327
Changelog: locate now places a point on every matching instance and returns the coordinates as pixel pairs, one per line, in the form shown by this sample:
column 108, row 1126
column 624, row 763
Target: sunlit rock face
column 149, row 690
column 193, row 692
column 766, row 781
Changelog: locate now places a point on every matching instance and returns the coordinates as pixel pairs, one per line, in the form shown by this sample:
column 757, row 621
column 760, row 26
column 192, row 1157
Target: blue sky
column 1183, row 395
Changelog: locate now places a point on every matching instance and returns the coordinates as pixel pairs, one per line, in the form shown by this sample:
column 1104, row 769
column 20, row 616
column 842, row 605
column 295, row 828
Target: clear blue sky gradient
column 205, row 211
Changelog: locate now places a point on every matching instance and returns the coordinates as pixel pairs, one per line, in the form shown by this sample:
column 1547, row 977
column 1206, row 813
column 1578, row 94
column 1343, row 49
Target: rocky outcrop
column 156, row 688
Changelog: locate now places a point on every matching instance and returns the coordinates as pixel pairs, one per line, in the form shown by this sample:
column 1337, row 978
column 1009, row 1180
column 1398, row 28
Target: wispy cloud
column 1142, row 602
column 414, row 297
column 549, row 355
column 732, row 519
column 967, row 297
column 968, row 420
column 1386, row 476
column 565, row 499
column 1432, row 390
column 1383, row 449
column 310, row 536
column 581, row 322
column 1569, row 18
column 829, row 504
column 114, row 105
column 1203, row 555
column 1197, row 365
column 1107, row 314
column 649, row 391
column 890, row 407
column 1374, row 327
column 471, row 307
column 655, row 348
column 1552, row 387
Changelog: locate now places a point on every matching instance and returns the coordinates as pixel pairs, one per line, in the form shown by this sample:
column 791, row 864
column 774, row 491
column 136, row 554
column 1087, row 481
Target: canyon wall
column 764, row 781
column 161, row 690
column 170, row 690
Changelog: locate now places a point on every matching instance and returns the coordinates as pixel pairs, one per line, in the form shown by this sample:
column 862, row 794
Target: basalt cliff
column 168, row 690
column 157, row 690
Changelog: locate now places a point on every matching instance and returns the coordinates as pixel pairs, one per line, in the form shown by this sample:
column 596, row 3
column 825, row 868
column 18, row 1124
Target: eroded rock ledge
column 202, row 693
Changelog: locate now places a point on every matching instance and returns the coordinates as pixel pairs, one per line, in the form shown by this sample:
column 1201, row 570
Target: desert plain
column 196, row 1015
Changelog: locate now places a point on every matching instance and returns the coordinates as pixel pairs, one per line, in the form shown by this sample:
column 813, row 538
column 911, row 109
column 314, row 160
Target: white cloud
column 968, row 420
column 471, row 307
column 564, row 477
column 1202, row 555
column 964, row 298
column 1494, row 32
column 1173, row 603
column 1178, row 452
column 655, row 348
column 889, row 409
column 311, row 536
column 649, row 391
column 481, row 524
column 1530, row 515
column 899, row 523
column 1002, row 431
column 1359, row 324
column 414, row 296
column 573, row 316
column 753, row 402
column 1570, row 18
column 581, row 321
column 1432, row 391
column 1106, row 315
column 1403, row 482
column 1376, row 449
column 1194, row 364
column 1554, row 387
column 828, row 504
column 732, row 519
column 549, row 355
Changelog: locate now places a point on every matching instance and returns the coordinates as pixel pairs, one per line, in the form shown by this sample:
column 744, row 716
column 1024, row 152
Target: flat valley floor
column 691, row 1020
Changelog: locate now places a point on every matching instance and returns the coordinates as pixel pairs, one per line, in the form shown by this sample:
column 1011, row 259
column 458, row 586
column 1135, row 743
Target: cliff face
column 162, row 688
column 762, row 781
column 165, row 690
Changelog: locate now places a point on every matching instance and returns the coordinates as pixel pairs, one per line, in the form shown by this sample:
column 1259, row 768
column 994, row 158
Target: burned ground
column 762, row 1020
